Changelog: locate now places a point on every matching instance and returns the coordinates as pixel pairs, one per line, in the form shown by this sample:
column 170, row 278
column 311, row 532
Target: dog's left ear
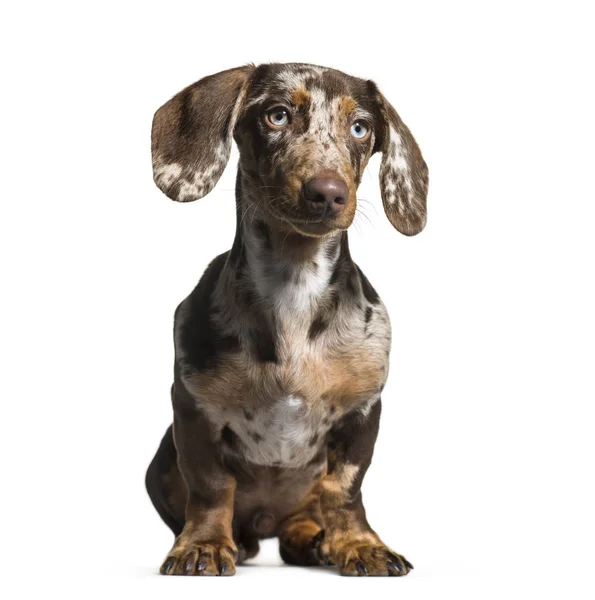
column 192, row 134
column 403, row 171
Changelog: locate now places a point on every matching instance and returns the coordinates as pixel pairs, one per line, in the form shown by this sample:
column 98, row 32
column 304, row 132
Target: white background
column 483, row 471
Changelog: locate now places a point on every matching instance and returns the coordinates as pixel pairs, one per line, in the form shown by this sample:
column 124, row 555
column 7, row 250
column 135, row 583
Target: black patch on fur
column 229, row 343
column 331, row 248
column 336, row 274
column 256, row 437
column 344, row 276
column 369, row 292
column 319, row 324
column 199, row 337
column 263, row 231
column 367, row 318
column 352, row 442
column 249, row 415
column 265, row 347
column 352, row 283
column 319, row 457
column 229, row 437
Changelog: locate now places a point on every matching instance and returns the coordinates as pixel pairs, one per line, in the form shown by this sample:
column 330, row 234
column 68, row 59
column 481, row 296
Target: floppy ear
column 403, row 173
column 192, row 134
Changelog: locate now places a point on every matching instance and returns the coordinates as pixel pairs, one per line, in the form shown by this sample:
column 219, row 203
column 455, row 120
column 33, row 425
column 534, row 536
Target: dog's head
column 305, row 135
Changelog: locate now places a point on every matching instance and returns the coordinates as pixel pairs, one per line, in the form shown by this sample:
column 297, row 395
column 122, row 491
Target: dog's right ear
column 192, row 134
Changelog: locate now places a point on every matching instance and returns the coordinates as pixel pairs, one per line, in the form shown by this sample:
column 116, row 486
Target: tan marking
column 347, row 106
column 372, row 553
column 300, row 532
column 302, row 524
column 346, row 378
column 336, row 485
column 300, row 97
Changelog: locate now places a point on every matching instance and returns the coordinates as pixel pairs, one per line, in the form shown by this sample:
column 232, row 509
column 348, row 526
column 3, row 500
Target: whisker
column 244, row 214
column 283, row 244
column 367, row 203
column 359, row 211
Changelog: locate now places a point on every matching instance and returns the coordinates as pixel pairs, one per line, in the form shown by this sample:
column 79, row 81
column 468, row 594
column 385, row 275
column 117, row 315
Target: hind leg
column 301, row 535
column 165, row 485
column 248, row 547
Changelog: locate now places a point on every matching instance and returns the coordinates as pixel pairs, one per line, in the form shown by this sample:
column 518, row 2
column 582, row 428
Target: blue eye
column 278, row 116
column 359, row 130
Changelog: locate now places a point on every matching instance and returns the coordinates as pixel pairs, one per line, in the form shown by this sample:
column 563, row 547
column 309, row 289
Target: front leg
column 205, row 546
column 349, row 540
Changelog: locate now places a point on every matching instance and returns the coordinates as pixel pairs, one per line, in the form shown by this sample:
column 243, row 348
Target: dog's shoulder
column 198, row 342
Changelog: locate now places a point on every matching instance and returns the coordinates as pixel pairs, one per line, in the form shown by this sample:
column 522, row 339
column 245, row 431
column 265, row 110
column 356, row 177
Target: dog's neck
column 287, row 271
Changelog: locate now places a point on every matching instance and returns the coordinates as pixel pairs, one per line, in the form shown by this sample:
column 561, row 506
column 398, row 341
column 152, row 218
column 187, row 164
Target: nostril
column 326, row 193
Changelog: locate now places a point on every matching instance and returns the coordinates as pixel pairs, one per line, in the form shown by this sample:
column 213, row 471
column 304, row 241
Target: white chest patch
column 299, row 295
column 284, row 433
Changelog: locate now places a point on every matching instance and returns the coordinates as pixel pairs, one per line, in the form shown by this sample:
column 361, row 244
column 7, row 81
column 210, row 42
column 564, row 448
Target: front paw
column 196, row 558
column 362, row 558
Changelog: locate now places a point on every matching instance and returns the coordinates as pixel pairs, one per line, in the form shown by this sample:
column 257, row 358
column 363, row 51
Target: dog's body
column 282, row 348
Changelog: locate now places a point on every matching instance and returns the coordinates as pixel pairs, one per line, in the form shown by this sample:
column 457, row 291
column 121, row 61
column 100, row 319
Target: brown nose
column 325, row 196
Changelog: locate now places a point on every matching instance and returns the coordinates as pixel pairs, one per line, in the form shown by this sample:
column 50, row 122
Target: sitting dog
column 282, row 349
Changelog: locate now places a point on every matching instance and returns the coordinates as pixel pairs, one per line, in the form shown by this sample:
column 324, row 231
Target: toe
column 374, row 561
column 397, row 565
column 226, row 562
column 207, row 564
column 167, row 568
column 189, row 563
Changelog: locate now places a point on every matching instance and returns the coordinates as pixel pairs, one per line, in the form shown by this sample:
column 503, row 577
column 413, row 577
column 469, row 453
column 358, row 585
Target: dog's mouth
column 307, row 227
column 304, row 225
column 316, row 229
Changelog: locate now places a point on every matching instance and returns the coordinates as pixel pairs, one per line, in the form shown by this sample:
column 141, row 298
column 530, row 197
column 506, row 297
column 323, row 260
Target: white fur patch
column 279, row 433
column 295, row 80
column 400, row 160
column 304, row 289
column 367, row 407
column 288, row 286
column 395, row 170
column 164, row 174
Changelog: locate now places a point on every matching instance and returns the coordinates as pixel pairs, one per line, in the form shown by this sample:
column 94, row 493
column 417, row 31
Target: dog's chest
column 284, row 431
column 280, row 413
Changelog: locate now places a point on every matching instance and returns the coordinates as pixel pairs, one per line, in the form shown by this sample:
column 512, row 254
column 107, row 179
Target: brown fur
column 347, row 106
column 282, row 348
column 341, row 378
column 300, row 97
